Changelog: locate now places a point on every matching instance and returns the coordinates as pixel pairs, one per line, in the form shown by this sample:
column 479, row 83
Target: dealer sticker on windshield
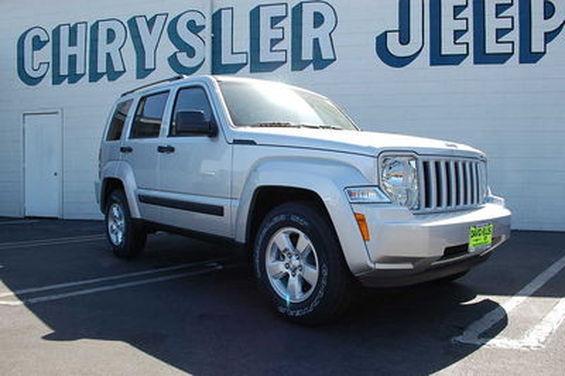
column 480, row 237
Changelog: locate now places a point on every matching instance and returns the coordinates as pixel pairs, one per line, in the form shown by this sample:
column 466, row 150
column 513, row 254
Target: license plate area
column 480, row 237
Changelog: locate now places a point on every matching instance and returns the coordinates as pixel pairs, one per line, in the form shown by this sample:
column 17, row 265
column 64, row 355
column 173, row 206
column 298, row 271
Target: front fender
column 327, row 179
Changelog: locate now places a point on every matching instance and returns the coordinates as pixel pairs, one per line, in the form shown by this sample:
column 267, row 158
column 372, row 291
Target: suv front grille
column 450, row 183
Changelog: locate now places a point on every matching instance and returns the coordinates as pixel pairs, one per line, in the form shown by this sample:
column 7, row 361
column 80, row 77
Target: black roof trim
column 170, row 79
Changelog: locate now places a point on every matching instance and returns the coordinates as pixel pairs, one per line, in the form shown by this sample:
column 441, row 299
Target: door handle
column 168, row 149
column 126, row 149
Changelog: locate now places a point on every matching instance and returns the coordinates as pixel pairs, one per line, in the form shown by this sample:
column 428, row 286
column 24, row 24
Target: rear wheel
column 127, row 237
column 299, row 264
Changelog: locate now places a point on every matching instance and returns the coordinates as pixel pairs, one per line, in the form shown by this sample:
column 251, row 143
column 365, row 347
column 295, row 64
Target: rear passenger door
column 195, row 173
column 139, row 149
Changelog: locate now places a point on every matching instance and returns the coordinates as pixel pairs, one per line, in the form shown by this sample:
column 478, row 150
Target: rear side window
column 118, row 121
column 149, row 116
column 191, row 99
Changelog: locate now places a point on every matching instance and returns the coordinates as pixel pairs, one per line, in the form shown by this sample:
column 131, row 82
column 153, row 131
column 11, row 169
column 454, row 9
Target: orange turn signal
column 363, row 228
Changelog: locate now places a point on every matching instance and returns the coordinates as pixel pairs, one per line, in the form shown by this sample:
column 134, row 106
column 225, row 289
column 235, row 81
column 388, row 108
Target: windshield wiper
column 273, row 124
column 280, row 124
column 334, row 127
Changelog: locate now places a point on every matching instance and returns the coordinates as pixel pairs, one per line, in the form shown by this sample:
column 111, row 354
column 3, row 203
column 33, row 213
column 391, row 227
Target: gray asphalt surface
column 192, row 307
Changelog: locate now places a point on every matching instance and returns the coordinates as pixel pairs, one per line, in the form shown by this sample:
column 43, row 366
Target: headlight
column 399, row 180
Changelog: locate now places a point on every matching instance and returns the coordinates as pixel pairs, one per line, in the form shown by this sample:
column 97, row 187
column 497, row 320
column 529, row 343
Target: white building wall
column 511, row 110
column 85, row 105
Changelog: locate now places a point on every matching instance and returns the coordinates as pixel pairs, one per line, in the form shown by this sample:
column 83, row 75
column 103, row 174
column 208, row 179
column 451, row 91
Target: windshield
column 265, row 104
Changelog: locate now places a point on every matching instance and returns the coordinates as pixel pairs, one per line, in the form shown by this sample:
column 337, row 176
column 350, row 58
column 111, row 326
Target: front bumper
column 396, row 278
column 407, row 248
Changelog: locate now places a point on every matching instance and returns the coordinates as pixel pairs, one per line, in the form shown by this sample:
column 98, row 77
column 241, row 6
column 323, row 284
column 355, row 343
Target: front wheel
column 299, row 264
column 126, row 237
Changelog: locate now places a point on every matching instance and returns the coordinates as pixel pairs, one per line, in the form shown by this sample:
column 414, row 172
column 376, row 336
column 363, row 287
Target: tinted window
column 118, row 121
column 191, row 99
column 149, row 116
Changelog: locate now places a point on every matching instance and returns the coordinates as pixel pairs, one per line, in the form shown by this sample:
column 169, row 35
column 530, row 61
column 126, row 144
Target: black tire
column 332, row 295
column 135, row 235
column 451, row 278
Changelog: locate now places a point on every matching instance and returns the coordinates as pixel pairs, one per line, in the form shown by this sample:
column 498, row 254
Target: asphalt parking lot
column 67, row 306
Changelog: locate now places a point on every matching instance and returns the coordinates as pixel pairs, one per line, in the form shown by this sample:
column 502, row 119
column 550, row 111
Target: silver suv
column 285, row 173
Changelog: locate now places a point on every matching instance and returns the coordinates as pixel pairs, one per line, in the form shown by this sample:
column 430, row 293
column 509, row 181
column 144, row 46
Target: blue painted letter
column 398, row 48
column 447, row 26
column 224, row 59
column 29, row 71
column 184, row 32
column 266, row 35
column 541, row 21
column 145, row 35
column 313, row 23
column 69, row 53
column 107, row 38
column 490, row 28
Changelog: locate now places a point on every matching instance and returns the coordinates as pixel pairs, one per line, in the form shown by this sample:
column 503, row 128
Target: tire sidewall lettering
column 275, row 223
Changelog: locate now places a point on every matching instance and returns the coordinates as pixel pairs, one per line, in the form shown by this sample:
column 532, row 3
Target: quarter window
column 191, row 99
column 118, row 121
column 149, row 116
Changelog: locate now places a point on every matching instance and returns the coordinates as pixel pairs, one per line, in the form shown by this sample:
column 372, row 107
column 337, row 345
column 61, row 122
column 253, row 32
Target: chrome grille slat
column 421, row 183
column 443, row 183
column 432, row 183
column 453, row 184
column 450, row 183
column 468, row 184
column 473, row 184
column 460, row 179
column 477, row 184
column 479, row 180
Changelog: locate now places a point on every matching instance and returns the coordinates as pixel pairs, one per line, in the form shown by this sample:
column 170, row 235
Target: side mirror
column 193, row 123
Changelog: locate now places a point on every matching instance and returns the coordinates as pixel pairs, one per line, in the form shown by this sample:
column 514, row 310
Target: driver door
column 195, row 171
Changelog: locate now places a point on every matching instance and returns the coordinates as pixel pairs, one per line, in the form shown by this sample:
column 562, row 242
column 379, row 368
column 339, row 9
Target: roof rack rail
column 170, row 79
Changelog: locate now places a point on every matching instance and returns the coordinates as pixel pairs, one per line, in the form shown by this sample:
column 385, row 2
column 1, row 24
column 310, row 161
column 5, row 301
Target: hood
column 355, row 142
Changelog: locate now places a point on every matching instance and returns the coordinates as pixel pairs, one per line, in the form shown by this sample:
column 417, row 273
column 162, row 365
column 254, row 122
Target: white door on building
column 43, row 149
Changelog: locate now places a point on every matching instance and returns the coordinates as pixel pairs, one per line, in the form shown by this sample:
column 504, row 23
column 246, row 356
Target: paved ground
column 67, row 306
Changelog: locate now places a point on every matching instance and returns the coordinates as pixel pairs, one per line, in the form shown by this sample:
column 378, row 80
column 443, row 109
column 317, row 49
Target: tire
column 311, row 303
column 133, row 236
column 451, row 278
